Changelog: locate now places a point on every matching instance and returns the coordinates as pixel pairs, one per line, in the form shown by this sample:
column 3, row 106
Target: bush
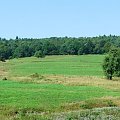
column 39, row 54
column 4, row 78
column 35, row 75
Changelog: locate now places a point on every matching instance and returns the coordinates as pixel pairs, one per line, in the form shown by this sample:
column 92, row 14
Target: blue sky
column 50, row 18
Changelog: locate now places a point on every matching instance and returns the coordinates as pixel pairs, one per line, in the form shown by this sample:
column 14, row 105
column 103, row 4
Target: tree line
column 25, row 47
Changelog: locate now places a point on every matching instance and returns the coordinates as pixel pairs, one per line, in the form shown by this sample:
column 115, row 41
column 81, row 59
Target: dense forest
column 24, row 47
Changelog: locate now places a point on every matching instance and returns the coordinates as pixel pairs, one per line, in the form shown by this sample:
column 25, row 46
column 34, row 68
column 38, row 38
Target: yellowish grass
column 72, row 81
column 92, row 103
column 87, row 81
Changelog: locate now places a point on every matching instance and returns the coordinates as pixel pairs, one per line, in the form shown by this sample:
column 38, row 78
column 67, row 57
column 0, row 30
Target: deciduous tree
column 111, row 65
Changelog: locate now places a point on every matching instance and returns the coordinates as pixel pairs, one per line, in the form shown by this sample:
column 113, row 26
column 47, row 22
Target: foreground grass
column 18, row 98
column 109, row 113
column 47, row 96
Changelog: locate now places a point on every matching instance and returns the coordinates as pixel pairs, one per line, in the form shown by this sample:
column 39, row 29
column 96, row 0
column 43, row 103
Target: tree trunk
column 110, row 77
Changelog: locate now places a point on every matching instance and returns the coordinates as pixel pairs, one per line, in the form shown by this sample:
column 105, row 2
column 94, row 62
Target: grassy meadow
column 86, row 65
column 57, row 87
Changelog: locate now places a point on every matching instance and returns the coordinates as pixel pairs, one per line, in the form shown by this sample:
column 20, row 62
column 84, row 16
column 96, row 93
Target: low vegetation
column 58, row 87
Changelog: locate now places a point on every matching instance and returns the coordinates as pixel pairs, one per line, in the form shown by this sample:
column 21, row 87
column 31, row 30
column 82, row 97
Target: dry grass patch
column 87, row 81
column 33, row 78
column 92, row 103
column 66, row 80
column 71, row 80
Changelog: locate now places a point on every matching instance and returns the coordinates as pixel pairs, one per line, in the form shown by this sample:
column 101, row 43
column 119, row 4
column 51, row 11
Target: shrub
column 39, row 54
column 4, row 78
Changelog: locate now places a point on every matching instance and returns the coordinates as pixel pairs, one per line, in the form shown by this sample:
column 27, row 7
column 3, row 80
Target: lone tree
column 39, row 54
column 111, row 65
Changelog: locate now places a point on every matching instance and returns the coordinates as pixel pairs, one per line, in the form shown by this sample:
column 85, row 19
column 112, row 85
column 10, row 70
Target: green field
column 85, row 65
column 47, row 95
column 38, row 89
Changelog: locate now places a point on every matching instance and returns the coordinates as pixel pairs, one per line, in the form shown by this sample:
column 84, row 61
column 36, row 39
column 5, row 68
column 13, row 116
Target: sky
column 59, row 18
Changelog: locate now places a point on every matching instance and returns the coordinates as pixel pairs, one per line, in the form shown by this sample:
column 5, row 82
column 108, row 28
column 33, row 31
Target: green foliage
column 39, row 54
column 111, row 65
column 18, row 48
column 17, row 37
